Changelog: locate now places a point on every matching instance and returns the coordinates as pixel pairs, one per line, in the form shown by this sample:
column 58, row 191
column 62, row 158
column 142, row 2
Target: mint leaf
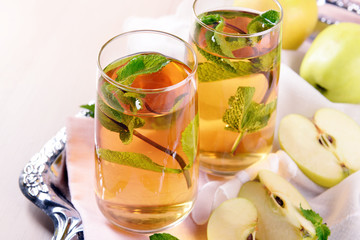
column 116, row 64
column 108, row 123
column 228, row 44
column 110, row 93
column 131, row 159
column 238, row 108
column 211, row 19
column 258, row 116
column 189, row 140
column 312, row 216
column 134, row 100
column 90, row 108
column 246, row 116
column 223, row 63
column 322, row 231
column 162, row 236
column 263, row 22
column 115, row 97
column 127, row 123
column 209, row 72
column 140, row 64
column 272, row 17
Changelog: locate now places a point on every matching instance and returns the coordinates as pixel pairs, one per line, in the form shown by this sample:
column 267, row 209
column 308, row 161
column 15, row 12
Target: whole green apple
column 332, row 63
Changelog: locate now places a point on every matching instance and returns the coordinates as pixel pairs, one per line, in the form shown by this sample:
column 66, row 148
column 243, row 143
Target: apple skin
column 332, row 63
column 299, row 21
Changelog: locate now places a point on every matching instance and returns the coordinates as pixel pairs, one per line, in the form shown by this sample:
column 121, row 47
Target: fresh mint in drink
column 189, row 140
column 114, row 103
column 264, row 21
column 246, row 116
column 140, row 64
column 126, row 123
column 211, row 19
column 162, row 236
column 221, row 62
column 132, row 159
column 210, row 72
column 228, row 44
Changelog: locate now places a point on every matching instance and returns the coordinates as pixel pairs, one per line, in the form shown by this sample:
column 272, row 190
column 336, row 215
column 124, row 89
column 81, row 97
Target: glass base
column 225, row 164
column 144, row 219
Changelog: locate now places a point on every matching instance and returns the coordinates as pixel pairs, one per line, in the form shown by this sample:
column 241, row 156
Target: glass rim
column 153, row 90
column 239, row 35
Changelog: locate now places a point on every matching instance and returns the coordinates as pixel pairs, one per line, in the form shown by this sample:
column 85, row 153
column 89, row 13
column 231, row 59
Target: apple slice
column 327, row 150
column 234, row 219
column 278, row 205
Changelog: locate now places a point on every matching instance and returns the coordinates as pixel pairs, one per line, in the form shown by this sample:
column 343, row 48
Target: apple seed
column 279, row 201
column 250, row 237
column 326, row 140
column 305, row 233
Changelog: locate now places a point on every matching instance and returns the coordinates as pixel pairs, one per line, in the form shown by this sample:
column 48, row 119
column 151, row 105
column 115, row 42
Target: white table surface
column 48, row 53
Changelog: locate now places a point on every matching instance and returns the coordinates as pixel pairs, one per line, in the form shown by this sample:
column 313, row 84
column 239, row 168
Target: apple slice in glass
column 326, row 149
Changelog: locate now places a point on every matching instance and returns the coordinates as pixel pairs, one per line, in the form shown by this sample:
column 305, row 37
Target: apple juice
column 238, row 72
column 146, row 142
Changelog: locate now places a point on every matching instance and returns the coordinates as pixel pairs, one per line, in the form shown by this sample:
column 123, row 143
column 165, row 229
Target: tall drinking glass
column 146, row 130
column 238, row 47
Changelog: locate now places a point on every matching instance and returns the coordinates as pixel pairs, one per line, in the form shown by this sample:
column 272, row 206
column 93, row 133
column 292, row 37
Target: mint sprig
column 246, row 116
column 126, row 123
column 118, row 98
column 162, row 236
column 132, row 159
column 264, row 22
column 140, row 64
column 226, row 45
column 90, row 109
column 189, row 140
column 211, row 19
column 322, row 231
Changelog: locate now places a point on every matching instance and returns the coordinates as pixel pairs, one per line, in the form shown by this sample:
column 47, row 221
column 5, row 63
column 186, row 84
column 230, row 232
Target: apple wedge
column 278, row 206
column 326, row 149
column 234, row 219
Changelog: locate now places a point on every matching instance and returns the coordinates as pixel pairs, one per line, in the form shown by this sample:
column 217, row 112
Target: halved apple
column 326, row 149
column 234, row 219
column 278, row 206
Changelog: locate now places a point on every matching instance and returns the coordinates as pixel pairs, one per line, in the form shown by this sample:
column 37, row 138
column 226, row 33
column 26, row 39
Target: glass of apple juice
column 146, row 130
column 238, row 47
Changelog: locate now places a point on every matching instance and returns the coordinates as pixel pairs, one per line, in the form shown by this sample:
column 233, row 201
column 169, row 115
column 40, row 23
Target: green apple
column 299, row 21
column 278, row 206
column 332, row 63
column 299, row 18
column 326, row 149
column 234, row 219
